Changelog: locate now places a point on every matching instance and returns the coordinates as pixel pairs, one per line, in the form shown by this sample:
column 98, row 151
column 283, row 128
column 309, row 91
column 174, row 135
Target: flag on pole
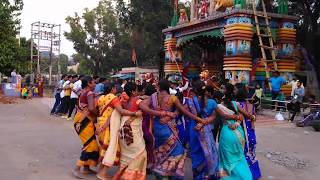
column 134, row 56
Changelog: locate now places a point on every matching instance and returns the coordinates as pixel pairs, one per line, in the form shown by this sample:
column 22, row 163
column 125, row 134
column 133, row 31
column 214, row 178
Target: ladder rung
column 270, row 60
column 262, row 15
column 267, row 47
column 263, row 25
column 264, row 35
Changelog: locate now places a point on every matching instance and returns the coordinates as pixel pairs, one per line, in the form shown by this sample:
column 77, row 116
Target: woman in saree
column 133, row 160
column 233, row 164
column 169, row 154
column 108, row 125
column 203, row 151
column 147, row 128
column 84, row 126
column 249, row 130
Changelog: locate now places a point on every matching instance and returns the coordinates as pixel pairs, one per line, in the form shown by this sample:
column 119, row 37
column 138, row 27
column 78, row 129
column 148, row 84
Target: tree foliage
column 10, row 51
column 106, row 35
column 94, row 36
column 308, row 32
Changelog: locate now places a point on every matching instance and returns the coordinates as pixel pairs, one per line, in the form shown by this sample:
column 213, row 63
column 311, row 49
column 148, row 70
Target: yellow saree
column 106, row 108
column 84, row 126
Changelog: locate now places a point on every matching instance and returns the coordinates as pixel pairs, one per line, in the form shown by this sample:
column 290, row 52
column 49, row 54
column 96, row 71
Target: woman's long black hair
column 200, row 90
column 85, row 81
column 129, row 87
column 242, row 92
column 164, row 85
column 229, row 97
column 108, row 87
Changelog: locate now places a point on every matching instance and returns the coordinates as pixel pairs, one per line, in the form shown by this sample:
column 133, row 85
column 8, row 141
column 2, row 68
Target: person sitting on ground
column 313, row 114
column 24, row 92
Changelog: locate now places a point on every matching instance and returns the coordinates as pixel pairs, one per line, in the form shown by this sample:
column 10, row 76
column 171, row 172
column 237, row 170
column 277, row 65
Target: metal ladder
column 268, row 35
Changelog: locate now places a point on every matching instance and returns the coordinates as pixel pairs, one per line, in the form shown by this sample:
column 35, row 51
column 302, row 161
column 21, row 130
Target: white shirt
column 122, row 86
column 63, row 86
column 76, row 89
column 13, row 74
column 181, row 89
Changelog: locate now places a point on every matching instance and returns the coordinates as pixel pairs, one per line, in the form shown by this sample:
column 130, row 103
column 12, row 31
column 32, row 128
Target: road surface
column 36, row 146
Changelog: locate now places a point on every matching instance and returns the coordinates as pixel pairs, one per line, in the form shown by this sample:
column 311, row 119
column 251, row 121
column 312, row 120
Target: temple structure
column 228, row 41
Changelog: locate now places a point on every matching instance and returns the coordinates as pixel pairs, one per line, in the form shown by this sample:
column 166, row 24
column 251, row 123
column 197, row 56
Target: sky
column 53, row 11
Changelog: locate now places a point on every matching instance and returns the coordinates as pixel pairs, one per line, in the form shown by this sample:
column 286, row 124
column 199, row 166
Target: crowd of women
column 145, row 129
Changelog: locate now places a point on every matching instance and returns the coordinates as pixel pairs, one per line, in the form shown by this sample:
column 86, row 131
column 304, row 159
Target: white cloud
column 53, row 11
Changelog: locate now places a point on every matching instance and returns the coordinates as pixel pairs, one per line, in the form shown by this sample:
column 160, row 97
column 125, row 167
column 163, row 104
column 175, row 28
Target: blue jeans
column 56, row 104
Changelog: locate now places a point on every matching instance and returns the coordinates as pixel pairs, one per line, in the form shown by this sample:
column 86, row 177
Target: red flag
column 134, row 56
column 176, row 5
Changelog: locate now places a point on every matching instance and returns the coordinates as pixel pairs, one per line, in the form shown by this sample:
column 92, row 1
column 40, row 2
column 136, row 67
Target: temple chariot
column 238, row 40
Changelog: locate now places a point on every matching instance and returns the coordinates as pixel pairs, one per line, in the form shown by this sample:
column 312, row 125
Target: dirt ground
column 36, row 146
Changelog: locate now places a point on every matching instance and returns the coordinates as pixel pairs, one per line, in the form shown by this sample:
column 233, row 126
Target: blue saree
column 169, row 154
column 250, row 146
column 233, row 164
column 203, row 152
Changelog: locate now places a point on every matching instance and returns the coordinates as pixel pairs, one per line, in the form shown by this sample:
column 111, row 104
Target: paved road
column 35, row 146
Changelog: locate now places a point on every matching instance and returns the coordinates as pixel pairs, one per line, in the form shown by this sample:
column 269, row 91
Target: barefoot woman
column 108, row 125
column 133, row 161
column 168, row 151
column 84, row 126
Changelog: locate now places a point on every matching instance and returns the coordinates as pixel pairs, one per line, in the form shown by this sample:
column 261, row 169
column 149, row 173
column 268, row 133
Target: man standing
column 276, row 83
column 76, row 88
column 293, row 84
column 99, row 90
column 13, row 77
column 297, row 99
column 57, row 96
column 66, row 99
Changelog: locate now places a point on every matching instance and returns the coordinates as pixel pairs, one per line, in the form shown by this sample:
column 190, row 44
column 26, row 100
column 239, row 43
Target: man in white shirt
column 13, row 77
column 76, row 88
column 124, row 82
column 57, row 92
column 175, row 88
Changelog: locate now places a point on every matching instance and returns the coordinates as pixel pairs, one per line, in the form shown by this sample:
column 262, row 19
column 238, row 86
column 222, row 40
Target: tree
column 146, row 20
column 83, row 64
column 106, row 35
column 95, row 37
column 10, row 25
column 308, row 34
column 63, row 63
